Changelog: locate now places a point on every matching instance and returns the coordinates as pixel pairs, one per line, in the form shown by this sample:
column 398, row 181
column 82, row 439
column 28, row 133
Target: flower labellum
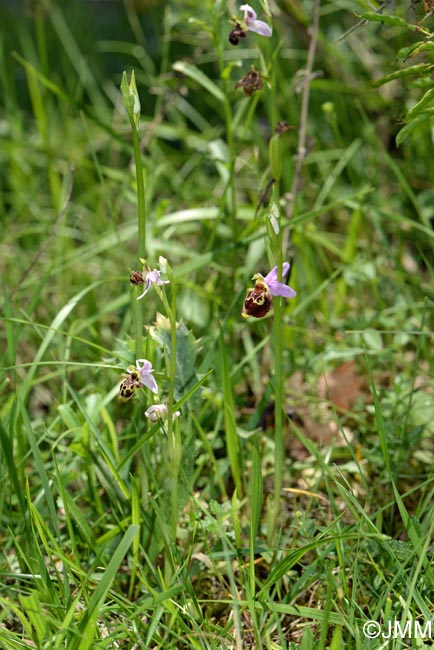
column 129, row 385
column 236, row 33
column 145, row 372
column 254, row 25
column 258, row 299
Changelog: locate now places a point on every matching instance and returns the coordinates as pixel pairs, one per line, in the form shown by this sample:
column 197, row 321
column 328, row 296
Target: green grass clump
column 284, row 498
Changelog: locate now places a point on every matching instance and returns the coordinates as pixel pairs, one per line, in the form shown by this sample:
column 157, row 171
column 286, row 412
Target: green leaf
column 32, row 606
column 307, row 641
column 197, row 75
column 68, row 416
column 256, row 493
column 424, row 102
column 186, row 352
column 232, row 440
column 412, row 71
column 408, row 129
column 373, row 339
column 52, row 330
column 413, row 50
column 87, row 627
column 391, row 21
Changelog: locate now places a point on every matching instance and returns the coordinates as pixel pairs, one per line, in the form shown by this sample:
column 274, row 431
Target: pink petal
column 279, row 289
column 149, row 381
column 259, row 27
column 249, row 13
column 273, row 273
column 147, row 287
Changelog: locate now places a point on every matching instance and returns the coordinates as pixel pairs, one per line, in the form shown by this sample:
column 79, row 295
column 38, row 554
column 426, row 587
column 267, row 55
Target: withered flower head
column 251, row 82
column 136, row 278
column 281, row 127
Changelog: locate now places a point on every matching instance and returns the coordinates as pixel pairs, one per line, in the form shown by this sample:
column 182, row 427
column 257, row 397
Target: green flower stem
column 278, row 412
column 227, row 108
column 131, row 102
column 141, row 204
column 275, row 244
column 173, row 433
column 137, row 312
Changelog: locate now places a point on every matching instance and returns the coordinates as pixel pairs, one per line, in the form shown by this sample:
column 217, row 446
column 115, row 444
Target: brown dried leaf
column 342, row 385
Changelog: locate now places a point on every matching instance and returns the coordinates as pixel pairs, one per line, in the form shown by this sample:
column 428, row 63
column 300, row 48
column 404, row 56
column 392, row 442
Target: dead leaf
column 342, row 385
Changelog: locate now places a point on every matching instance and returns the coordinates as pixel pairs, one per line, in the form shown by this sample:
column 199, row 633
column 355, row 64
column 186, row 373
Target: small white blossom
column 159, row 412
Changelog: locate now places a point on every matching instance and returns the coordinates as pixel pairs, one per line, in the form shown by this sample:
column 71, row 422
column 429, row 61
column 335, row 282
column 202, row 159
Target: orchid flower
column 146, row 377
column 254, row 25
column 151, row 277
column 258, row 299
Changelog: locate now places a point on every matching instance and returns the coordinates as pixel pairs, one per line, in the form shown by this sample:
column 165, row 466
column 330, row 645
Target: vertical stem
column 130, row 97
column 278, row 413
column 172, row 429
column 141, row 234
column 279, row 393
column 230, row 188
column 302, row 132
column 141, row 204
column 174, row 442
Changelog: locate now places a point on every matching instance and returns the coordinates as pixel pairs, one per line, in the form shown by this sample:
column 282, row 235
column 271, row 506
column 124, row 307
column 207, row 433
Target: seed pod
column 275, row 154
